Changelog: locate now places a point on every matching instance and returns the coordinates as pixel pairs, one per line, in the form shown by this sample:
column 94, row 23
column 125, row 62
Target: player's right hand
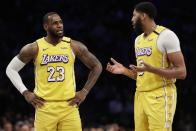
column 115, row 67
column 31, row 98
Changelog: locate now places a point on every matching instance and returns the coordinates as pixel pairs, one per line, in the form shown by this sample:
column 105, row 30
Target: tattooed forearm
column 95, row 66
column 90, row 61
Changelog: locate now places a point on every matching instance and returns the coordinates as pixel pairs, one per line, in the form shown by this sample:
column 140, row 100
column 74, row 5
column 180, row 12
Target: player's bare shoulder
column 78, row 47
column 28, row 52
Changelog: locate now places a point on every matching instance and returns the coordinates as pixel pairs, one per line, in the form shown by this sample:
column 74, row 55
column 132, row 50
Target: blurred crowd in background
column 105, row 28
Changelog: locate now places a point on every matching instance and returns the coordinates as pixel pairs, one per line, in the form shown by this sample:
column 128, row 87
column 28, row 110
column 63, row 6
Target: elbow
column 183, row 75
column 98, row 68
column 8, row 71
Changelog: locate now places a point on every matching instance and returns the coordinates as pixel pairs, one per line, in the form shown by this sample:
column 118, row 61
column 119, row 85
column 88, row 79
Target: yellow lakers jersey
column 54, row 70
column 146, row 50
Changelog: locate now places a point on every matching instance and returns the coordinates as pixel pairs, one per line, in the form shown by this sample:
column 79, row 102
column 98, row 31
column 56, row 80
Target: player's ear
column 143, row 16
column 45, row 26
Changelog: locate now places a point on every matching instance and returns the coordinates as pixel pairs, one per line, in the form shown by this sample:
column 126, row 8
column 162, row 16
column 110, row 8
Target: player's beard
column 54, row 34
column 138, row 26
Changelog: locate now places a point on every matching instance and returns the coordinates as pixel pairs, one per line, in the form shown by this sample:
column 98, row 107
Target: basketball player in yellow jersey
column 159, row 62
column 54, row 96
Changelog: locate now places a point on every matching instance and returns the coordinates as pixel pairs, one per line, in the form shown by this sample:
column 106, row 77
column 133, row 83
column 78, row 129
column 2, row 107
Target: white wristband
column 12, row 72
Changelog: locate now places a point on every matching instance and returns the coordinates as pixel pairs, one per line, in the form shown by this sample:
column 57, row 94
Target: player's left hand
column 78, row 99
column 143, row 67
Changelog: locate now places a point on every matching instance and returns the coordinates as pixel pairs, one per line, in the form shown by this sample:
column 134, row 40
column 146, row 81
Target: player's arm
column 117, row 68
column 169, row 42
column 81, row 51
column 26, row 54
column 17, row 63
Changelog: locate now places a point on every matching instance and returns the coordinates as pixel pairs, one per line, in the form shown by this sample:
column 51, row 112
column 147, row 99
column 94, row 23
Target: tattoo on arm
column 28, row 52
column 87, row 58
column 90, row 61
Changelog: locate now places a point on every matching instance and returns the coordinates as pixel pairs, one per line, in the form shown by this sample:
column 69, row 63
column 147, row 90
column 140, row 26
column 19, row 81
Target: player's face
column 55, row 26
column 137, row 22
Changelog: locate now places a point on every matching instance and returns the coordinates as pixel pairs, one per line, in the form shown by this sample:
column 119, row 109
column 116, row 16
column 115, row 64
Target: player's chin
column 60, row 34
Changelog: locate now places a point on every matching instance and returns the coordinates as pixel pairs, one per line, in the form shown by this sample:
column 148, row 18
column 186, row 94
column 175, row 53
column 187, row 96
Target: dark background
column 104, row 26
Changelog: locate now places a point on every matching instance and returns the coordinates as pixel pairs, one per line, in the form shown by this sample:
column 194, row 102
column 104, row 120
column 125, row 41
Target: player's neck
column 149, row 27
column 52, row 40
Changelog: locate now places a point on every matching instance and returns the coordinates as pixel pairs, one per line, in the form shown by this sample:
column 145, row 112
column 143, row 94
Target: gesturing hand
column 143, row 67
column 31, row 98
column 115, row 67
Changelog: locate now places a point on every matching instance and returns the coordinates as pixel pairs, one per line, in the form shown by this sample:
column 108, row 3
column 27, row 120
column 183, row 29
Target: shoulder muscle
column 28, row 52
column 78, row 48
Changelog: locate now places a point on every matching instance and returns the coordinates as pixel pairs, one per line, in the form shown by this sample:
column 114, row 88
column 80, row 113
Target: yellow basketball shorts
column 154, row 110
column 57, row 116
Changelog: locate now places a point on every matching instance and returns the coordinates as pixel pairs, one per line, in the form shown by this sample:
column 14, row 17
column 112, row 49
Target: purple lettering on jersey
column 143, row 51
column 54, row 59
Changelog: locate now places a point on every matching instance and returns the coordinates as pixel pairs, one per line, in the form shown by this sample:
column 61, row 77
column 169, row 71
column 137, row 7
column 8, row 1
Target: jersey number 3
column 52, row 70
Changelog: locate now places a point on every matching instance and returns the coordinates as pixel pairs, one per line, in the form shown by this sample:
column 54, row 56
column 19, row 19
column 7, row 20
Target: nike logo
column 45, row 49
column 63, row 47
column 157, row 97
column 150, row 39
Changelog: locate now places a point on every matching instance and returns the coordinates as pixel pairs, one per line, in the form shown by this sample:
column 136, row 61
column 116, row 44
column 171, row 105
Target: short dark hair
column 45, row 18
column 148, row 8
